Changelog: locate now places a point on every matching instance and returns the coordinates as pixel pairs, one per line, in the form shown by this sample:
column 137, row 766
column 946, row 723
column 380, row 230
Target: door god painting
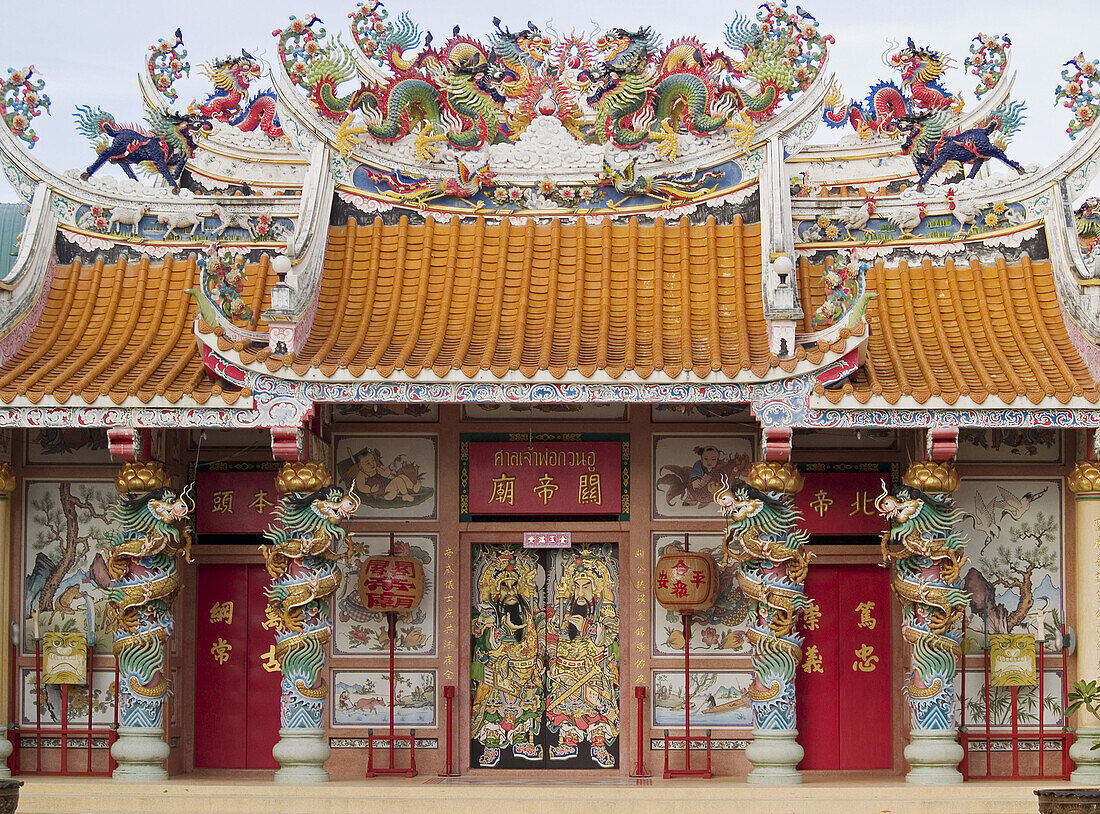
column 508, row 657
column 545, row 658
column 583, row 650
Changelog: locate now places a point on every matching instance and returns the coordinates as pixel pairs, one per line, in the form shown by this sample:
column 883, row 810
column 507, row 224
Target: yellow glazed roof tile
column 118, row 330
column 992, row 333
column 530, row 297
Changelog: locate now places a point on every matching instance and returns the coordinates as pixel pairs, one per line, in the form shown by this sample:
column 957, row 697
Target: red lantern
column 686, row 581
column 391, row 584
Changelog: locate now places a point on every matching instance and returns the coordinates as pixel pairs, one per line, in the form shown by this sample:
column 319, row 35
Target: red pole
column 449, row 694
column 91, row 647
column 687, row 691
column 639, row 695
column 988, row 743
column 1042, row 665
column 393, row 678
column 1015, row 735
column 38, row 702
column 64, row 729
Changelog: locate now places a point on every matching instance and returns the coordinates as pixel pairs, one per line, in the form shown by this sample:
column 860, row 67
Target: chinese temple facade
column 389, row 423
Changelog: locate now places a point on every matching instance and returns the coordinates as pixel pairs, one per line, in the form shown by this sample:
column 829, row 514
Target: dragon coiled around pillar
column 301, row 560
column 149, row 530
column 929, row 558
column 762, row 540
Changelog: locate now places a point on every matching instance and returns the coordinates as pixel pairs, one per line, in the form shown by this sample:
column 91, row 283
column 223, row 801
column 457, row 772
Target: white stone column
column 1084, row 482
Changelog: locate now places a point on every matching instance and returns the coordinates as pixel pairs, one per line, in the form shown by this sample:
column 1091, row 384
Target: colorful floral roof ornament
column 167, row 62
column 1079, row 94
column 224, row 280
column 987, row 61
column 21, row 100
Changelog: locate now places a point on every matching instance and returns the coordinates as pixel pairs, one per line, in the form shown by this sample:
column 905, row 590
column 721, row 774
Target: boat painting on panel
column 722, row 629
column 719, row 698
column 65, row 446
column 358, row 631
column 1015, row 572
column 1010, row 445
column 65, row 532
column 393, row 475
column 548, row 412
column 689, row 469
column 362, row 698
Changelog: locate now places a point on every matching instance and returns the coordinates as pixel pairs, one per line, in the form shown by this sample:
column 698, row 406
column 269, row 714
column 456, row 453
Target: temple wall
column 65, row 483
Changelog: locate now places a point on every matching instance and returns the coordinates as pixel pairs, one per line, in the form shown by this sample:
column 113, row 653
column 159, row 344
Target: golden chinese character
column 449, row 613
column 865, row 659
column 863, row 504
column 449, row 629
column 260, row 502
column 821, row 502
column 271, row 619
column 223, row 502
column 811, row 616
column 448, row 676
column 504, row 490
column 639, row 632
column 812, row 662
column 448, row 659
column 865, row 609
column 545, row 489
column 639, row 664
column 590, row 488
column 450, row 552
column 270, row 663
column 221, row 612
column 220, row 651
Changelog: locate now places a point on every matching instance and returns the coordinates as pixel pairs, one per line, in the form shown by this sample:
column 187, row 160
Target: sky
column 91, row 53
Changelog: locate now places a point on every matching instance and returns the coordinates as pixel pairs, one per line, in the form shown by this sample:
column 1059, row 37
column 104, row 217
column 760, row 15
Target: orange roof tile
column 963, row 332
column 115, row 331
column 534, row 297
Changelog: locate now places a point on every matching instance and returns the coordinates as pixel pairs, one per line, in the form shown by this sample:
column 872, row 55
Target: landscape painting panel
column 363, row 698
column 1015, row 572
column 1010, row 444
column 1000, row 702
column 66, row 446
column 719, row 698
column 720, row 630
column 358, row 631
column 64, row 534
column 103, row 700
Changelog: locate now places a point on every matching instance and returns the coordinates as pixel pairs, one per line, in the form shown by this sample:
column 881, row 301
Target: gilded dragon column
column 928, row 553
column 301, row 560
column 1084, row 481
column 150, row 528
column 771, row 568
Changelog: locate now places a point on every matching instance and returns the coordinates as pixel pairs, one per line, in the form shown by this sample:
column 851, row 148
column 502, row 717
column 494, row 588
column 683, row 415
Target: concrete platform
column 432, row 795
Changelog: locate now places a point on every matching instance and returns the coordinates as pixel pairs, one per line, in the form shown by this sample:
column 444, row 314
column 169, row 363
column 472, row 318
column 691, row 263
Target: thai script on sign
column 545, row 457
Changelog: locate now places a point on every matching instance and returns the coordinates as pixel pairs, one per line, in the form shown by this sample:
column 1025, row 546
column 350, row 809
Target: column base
column 5, row 752
column 934, row 756
column 1086, row 759
column 774, row 754
column 140, row 753
column 301, row 754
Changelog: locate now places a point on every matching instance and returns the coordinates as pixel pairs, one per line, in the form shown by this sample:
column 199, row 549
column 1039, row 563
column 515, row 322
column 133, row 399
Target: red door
column 236, row 699
column 844, row 685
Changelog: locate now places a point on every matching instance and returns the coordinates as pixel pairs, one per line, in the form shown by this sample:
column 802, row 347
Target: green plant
column 1085, row 694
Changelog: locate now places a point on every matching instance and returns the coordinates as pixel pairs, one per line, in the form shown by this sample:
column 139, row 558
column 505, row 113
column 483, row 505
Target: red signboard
column 545, row 478
column 547, row 539
column 841, row 502
column 235, row 502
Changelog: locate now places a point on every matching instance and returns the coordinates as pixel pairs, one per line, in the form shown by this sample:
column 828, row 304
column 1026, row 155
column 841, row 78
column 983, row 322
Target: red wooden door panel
column 236, row 699
column 844, row 686
column 818, row 685
column 864, row 623
column 263, row 686
column 221, row 651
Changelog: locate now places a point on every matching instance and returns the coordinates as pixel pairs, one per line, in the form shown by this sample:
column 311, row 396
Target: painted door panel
column 844, row 686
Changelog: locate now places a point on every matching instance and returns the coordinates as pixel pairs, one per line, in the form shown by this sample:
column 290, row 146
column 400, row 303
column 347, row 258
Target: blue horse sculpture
column 166, row 147
column 931, row 149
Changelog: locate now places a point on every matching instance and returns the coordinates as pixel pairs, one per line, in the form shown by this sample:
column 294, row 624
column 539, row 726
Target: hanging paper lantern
column 391, row 584
column 686, row 581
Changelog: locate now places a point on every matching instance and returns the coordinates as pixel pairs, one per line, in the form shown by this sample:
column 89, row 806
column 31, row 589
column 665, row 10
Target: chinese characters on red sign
column 391, row 584
column 557, row 478
column 841, row 502
column 235, row 502
column 547, row 539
